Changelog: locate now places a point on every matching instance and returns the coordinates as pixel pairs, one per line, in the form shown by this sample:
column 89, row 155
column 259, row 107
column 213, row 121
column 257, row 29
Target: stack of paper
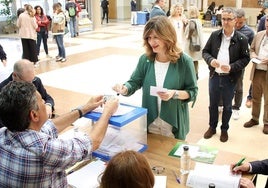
column 87, row 176
column 220, row 175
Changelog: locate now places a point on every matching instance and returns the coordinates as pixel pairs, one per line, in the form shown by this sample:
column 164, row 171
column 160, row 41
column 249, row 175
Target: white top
column 223, row 55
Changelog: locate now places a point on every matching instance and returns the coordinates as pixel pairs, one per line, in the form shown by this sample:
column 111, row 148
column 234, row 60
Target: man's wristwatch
column 176, row 95
column 79, row 111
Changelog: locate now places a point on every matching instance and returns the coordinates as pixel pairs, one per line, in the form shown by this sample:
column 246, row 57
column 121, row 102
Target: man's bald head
column 23, row 70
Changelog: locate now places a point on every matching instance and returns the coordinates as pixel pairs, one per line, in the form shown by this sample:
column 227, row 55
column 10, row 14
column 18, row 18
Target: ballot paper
column 121, row 110
column 204, row 174
column 255, row 60
column 154, row 90
column 89, row 176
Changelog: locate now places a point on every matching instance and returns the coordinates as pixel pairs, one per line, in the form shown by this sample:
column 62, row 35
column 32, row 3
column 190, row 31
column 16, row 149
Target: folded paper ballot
column 154, row 90
column 220, row 175
column 255, row 60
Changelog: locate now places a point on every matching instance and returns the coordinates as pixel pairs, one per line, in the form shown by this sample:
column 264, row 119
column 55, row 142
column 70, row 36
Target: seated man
column 31, row 153
column 23, row 70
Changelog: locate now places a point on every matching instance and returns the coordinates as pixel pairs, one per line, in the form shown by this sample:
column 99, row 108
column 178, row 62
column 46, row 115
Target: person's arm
column 99, row 129
column 252, row 49
column 259, row 167
column 41, row 89
column 65, row 120
column 3, row 55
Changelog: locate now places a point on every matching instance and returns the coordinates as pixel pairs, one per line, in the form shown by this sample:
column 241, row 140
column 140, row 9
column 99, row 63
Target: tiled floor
column 96, row 60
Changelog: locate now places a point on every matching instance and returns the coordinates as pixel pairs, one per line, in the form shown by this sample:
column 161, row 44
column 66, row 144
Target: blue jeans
column 61, row 49
column 42, row 36
column 72, row 25
column 220, row 86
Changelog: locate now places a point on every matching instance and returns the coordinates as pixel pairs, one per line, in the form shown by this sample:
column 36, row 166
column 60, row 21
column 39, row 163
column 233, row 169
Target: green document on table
column 204, row 154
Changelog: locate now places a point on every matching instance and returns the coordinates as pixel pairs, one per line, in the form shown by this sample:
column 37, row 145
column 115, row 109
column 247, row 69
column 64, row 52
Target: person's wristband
column 79, row 111
column 176, row 95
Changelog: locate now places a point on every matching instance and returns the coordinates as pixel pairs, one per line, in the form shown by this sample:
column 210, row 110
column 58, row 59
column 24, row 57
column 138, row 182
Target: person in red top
column 42, row 30
column 78, row 10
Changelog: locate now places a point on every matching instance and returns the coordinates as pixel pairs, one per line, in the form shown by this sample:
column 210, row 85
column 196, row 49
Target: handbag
column 194, row 47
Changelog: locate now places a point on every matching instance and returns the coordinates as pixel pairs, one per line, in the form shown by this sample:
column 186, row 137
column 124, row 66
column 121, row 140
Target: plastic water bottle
column 211, row 185
column 185, row 161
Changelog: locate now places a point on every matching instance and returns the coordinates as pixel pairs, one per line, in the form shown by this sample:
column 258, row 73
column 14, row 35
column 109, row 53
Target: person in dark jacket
column 105, row 10
column 226, row 53
column 254, row 167
column 23, row 70
column 3, row 56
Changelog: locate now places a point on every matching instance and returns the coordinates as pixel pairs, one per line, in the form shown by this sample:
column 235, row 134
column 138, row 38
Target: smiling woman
column 164, row 65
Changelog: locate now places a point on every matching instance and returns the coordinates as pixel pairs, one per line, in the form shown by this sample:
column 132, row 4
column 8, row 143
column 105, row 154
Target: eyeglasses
column 158, row 169
column 227, row 19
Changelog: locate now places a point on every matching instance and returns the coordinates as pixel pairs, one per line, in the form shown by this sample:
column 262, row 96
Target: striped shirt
column 39, row 159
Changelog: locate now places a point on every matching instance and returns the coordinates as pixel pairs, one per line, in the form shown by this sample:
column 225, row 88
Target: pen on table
column 176, row 176
column 239, row 162
column 71, row 171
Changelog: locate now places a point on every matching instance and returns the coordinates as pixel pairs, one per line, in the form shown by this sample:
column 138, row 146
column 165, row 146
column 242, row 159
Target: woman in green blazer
column 164, row 65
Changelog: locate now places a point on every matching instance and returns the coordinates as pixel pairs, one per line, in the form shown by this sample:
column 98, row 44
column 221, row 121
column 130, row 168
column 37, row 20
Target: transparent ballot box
column 127, row 130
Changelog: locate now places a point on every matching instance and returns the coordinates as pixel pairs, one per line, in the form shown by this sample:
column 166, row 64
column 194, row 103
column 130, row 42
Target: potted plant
column 6, row 11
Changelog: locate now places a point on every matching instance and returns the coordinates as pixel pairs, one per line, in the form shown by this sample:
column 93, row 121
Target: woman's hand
column 165, row 96
column 120, row 89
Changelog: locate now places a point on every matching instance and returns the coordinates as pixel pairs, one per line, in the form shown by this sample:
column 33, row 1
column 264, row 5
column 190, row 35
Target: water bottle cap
column 211, row 185
column 185, row 148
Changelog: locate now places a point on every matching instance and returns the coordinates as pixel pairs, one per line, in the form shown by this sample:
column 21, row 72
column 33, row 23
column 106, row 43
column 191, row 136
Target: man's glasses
column 227, row 19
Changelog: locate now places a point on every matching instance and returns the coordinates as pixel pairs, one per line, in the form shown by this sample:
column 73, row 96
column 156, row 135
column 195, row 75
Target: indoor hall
column 96, row 60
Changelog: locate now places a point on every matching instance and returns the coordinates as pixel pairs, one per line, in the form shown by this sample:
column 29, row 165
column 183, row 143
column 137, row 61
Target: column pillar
column 238, row 4
column 96, row 14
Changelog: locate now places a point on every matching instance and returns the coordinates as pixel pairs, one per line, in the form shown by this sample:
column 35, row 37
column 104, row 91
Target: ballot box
column 142, row 17
column 127, row 130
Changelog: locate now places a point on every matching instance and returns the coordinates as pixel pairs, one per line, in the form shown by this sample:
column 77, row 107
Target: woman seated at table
column 127, row 169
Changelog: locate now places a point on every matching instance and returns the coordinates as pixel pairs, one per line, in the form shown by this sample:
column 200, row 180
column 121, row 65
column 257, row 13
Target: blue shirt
column 39, row 159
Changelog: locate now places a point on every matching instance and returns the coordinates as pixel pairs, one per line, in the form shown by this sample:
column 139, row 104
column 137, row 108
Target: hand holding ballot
column 161, row 92
column 120, row 89
column 258, row 60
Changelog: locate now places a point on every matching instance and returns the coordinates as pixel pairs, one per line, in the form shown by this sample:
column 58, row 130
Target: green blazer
column 180, row 76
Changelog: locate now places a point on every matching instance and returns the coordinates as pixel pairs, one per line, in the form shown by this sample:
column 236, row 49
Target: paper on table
column 255, row 60
column 121, row 110
column 160, row 181
column 220, row 175
column 87, row 176
column 198, row 153
column 154, row 90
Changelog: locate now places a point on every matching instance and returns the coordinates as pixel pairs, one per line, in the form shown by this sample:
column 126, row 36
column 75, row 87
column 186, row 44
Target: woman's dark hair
column 19, row 11
column 38, row 6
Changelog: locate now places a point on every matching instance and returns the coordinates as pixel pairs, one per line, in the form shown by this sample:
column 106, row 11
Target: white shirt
column 223, row 55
